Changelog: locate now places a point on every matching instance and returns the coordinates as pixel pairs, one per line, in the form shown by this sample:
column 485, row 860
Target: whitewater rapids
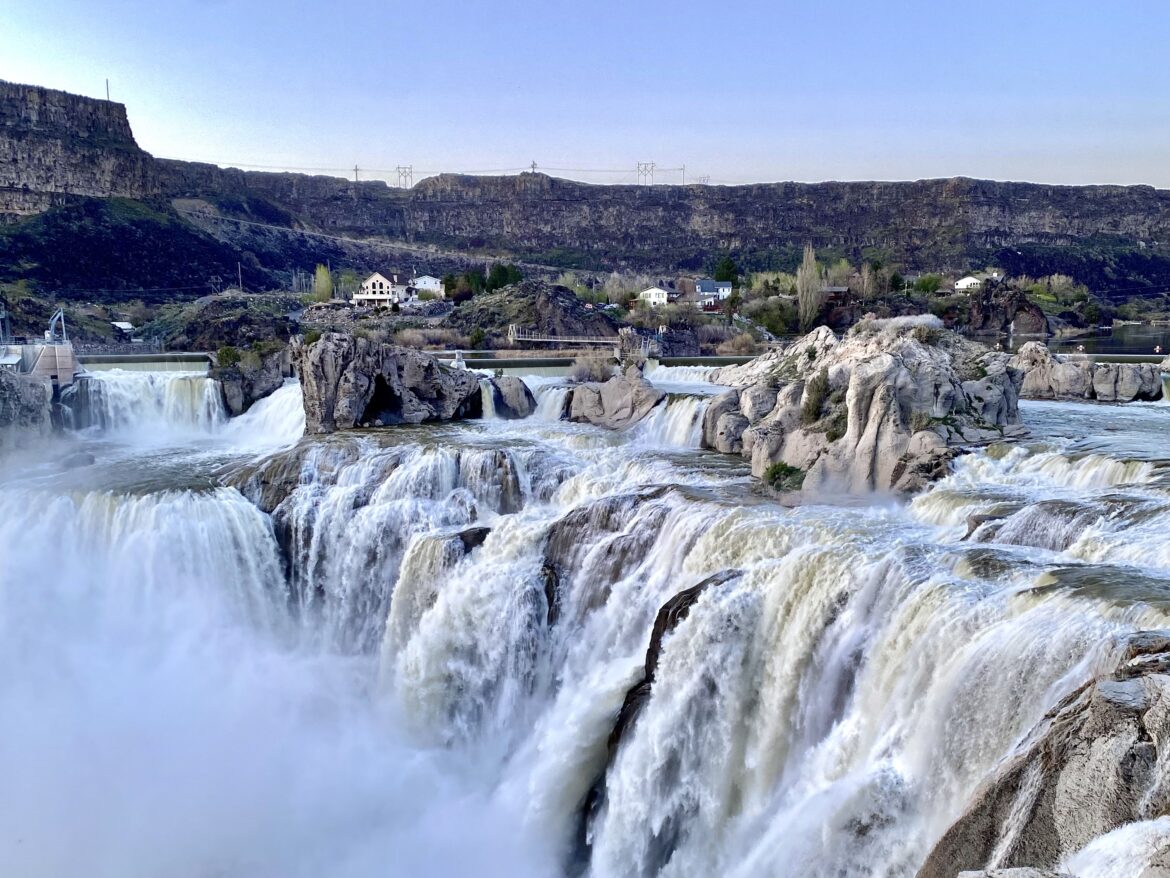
column 363, row 681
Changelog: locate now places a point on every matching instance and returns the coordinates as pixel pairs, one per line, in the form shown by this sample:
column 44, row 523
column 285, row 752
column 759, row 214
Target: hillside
column 56, row 150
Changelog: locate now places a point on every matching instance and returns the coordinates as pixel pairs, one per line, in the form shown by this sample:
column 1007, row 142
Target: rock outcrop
column 618, row 403
column 253, row 377
column 1096, row 762
column 883, row 408
column 349, row 381
column 25, row 410
column 1000, row 308
column 1076, row 376
column 512, row 397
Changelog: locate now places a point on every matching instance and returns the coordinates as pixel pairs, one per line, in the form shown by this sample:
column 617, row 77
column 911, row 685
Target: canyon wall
column 55, row 146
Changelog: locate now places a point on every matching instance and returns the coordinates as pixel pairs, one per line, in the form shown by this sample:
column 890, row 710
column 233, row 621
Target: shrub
column 410, row 338
column 591, row 368
column 227, row 356
column 742, row 345
column 928, row 335
column 477, row 337
column 312, row 336
column 815, row 394
column 426, row 296
column 919, row 421
column 783, row 477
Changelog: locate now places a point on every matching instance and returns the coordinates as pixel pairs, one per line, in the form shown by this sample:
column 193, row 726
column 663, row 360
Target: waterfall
column 591, row 656
column 550, row 399
column 121, row 401
column 680, row 374
column 487, row 395
column 675, row 423
column 276, row 420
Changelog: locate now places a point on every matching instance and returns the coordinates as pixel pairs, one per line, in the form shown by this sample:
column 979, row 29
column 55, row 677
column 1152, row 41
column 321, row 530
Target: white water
column 397, row 705
column 272, row 422
column 117, row 400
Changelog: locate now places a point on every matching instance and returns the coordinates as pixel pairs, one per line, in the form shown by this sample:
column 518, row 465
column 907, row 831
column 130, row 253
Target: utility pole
column 240, row 276
column 107, row 88
column 355, row 173
column 534, row 166
column 405, row 176
column 646, row 173
column 684, row 182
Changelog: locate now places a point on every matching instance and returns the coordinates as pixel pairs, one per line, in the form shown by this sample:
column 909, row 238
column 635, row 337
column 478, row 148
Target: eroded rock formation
column 1096, row 762
column 254, row 377
column 25, row 410
column 350, row 381
column 1076, row 376
column 881, row 408
column 616, row 404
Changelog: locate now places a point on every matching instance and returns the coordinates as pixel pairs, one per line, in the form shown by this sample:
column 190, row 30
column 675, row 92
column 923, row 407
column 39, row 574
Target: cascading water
column 455, row 625
column 117, row 400
column 675, row 423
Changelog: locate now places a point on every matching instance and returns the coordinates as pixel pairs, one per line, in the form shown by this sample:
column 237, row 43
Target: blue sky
column 1061, row 92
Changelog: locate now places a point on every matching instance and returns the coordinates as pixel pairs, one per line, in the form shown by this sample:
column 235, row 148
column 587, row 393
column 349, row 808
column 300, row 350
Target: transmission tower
column 646, row 173
column 405, row 176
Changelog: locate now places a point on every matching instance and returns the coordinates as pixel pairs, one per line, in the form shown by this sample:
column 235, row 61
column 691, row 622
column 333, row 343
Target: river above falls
column 413, row 664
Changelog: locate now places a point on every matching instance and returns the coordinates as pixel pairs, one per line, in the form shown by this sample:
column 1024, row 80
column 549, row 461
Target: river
column 193, row 687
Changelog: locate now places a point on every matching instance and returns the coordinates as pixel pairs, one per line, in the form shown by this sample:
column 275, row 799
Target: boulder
column 1096, row 762
column 512, row 397
column 1076, row 376
column 1015, row 873
column 884, row 407
column 350, row 381
column 25, row 410
column 619, row 403
column 258, row 373
column 999, row 308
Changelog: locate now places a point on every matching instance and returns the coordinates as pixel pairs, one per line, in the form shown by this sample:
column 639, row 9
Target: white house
column 968, row 283
column 428, row 283
column 705, row 287
column 382, row 289
column 654, row 296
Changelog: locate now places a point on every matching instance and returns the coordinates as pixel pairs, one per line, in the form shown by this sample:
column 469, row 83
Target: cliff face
column 54, row 146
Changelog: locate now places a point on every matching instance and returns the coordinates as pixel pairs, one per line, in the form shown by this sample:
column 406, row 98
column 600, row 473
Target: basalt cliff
column 59, row 152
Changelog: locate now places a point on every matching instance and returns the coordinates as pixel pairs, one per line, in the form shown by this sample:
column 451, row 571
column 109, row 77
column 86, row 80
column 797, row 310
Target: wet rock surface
column 1095, row 763
column 1075, row 376
column 25, row 410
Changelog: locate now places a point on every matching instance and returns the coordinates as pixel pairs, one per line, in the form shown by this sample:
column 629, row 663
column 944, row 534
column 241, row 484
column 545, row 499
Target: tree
column 322, row 284
column 928, row 283
column 868, row 282
column 732, row 304
column 725, row 269
column 897, row 282
column 810, row 294
column 501, row 275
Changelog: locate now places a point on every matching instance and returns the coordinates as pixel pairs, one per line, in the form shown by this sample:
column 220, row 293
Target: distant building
column 704, row 287
column 428, row 283
column 124, row 329
column 654, row 296
column 834, row 294
column 968, row 283
column 383, row 289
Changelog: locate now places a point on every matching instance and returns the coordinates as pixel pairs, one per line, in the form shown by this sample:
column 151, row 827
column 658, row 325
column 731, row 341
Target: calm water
column 1122, row 340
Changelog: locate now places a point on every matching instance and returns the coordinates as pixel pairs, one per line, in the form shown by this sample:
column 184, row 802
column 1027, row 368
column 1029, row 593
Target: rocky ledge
column 884, row 407
column 251, row 377
column 1076, row 376
column 25, row 410
column 350, row 381
column 616, row 404
column 1096, row 763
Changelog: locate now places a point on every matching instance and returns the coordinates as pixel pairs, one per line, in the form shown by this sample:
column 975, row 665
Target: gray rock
column 1014, row 873
column 1076, row 376
column 885, row 407
column 619, row 403
column 1097, row 762
column 25, row 410
column 349, row 380
column 253, row 378
column 512, row 397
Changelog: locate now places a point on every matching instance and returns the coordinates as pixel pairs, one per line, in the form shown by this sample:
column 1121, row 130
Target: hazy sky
column 1066, row 92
